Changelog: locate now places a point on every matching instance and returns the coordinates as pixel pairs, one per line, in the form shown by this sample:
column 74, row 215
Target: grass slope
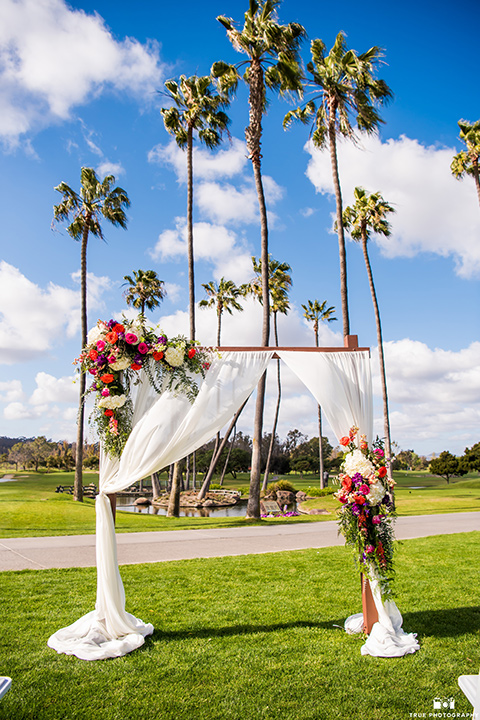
column 247, row 637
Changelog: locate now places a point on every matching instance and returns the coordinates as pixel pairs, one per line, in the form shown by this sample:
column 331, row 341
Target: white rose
column 175, row 355
column 95, row 334
column 112, row 401
column 377, row 491
column 121, row 364
column 356, row 462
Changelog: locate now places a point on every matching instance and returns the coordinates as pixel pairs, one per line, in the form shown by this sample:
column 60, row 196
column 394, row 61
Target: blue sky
column 79, row 87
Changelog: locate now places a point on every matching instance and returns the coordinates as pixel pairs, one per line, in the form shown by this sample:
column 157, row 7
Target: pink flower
column 364, row 489
column 105, row 392
column 142, row 348
column 93, row 371
column 377, row 519
column 100, row 345
column 369, row 549
column 131, row 338
column 111, row 359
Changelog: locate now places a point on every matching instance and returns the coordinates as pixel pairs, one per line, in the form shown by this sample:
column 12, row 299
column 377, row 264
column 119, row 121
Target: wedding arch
column 166, row 427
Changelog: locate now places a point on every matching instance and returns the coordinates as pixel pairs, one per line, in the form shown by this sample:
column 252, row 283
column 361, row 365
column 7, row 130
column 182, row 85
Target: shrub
column 244, row 490
column 319, row 492
column 281, row 485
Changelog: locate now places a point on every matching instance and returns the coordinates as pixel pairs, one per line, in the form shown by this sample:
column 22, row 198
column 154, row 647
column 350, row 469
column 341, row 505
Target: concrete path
column 79, row 550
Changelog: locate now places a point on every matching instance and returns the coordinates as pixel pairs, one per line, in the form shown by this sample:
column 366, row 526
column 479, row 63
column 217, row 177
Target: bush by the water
column 281, row 485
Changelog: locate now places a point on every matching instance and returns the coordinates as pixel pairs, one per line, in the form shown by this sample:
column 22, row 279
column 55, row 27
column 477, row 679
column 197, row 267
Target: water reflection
column 125, row 502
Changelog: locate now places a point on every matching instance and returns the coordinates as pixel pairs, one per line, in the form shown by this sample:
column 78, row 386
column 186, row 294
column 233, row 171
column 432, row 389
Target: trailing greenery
column 257, row 637
column 320, row 492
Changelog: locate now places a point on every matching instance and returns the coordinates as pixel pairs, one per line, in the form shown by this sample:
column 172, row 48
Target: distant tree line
column 35, row 453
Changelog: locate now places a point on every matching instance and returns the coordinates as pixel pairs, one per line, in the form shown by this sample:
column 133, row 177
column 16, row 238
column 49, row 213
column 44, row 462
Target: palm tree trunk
column 476, row 176
column 173, row 509
column 191, row 276
column 341, row 237
column 253, row 135
column 320, row 445
column 277, row 410
column 320, row 448
column 78, row 482
column 383, row 375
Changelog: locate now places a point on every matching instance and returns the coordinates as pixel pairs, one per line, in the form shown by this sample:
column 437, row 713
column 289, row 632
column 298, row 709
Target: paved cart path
column 79, row 550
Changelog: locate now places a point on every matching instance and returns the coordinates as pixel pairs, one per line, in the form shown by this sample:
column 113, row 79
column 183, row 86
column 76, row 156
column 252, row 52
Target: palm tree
column 368, row 214
column 86, row 209
column 224, row 298
column 279, row 283
column 196, row 108
column 145, row 291
column 272, row 62
column 466, row 161
column 318, row 312
column 347, row 89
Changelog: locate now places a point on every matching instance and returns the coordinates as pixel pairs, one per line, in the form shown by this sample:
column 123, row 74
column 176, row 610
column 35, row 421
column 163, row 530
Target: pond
column 125, row 502
column 8, row 478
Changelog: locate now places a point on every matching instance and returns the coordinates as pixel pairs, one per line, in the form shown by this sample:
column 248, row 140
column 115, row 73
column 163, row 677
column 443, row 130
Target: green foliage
column 447, row 466
column 320, row 492
column 285, row 485
column 472, row 457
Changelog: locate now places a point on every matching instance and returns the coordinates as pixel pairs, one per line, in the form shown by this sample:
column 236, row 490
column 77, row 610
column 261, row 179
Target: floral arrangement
column 115, row 353
column 367, row 513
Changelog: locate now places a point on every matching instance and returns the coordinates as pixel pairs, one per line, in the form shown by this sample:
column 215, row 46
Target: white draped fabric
column 167, row 428
column 341, row 383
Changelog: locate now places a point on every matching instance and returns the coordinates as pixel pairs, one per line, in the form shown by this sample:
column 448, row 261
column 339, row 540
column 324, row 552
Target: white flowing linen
column 341, row 383
column 164, row 430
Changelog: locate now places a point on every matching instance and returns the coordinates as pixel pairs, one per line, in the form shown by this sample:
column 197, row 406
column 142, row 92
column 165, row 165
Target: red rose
column 345, row 441
column 135, row 366
column 382, row 471
column 347, row 483
column 108, row 412
column 118, row 328
column 191, row 352
column 157, row 355
column 93, row 354
column 111, row 337
column 107, row 378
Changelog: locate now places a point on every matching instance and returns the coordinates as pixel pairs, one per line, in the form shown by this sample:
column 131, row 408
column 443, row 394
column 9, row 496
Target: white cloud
column 434, row 395
column 226, row 204
column 11, row 391
column 434, row 212
column 207, row 165
column 19, row 411
column 212, row 243
column 51, row 389
column 37, row 318
column 110, row 168
column 54, row 58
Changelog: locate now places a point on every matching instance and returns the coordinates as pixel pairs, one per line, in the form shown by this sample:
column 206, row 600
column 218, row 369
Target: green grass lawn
column 29, row 505
column 247, row 637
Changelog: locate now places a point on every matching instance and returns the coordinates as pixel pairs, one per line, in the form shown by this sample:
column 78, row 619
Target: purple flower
column 101, row 360
column 355, row 509
column 111, row 323
column 162, row 340
column 138, row 359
